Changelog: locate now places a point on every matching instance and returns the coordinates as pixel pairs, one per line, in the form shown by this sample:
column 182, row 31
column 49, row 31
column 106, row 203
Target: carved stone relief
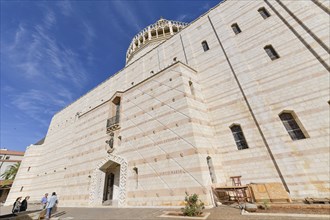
column 98, row 177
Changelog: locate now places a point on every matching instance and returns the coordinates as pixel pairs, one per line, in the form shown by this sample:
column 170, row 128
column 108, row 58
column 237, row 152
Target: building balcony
column 113, row 123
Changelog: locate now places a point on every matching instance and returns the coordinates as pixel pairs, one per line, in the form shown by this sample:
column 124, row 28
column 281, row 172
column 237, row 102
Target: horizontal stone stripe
column 224, row 104
column 80, row 173
column 286, row 84
column 174, row 172
column 44, row 185
column 74, row 197
column 77, row 123
column 157, row 143
column 269, row 120
column 173, row 155
column 201, row 190
column 93, row 110
column 169, row 127
column 251, row 85
column 169, row 113
column 259, row 144
column 91, row 150
column 217, row 83
column 96, row 131
column 151, row 98
column 302, row 153
column 298, row 100
column 92, row 161
column 9, row 160
column 81, row 121
column 104, row 137
column 80, row 130
column 152, row 87
column 140, row 147
column 241, row 161
column 142, row 110
column 280, row 74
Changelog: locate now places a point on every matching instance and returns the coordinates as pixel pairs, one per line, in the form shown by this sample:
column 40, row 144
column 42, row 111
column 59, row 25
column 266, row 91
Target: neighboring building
column 241, row 91
column 7, row 159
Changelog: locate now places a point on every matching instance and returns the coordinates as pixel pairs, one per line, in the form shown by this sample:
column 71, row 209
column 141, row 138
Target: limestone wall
column 234, row 82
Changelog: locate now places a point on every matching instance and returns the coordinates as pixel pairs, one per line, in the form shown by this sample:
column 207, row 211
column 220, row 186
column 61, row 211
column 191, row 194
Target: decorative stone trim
column 98, row 177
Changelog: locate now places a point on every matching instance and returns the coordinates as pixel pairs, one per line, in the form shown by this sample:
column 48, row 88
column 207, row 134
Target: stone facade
column 178, row 103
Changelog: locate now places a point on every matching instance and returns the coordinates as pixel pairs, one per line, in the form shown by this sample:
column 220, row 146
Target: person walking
column 24, row 204
column 52, row 201
column 17, row 205
column 44, row 201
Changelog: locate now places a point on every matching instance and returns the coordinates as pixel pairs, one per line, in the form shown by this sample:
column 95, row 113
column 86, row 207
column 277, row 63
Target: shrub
column 194, row 206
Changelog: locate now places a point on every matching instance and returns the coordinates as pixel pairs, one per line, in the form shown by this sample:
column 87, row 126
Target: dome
column 152, row 36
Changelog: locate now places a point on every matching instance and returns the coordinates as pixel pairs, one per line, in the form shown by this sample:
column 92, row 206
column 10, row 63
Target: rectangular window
column 271, row 52
column 239, row 137
column 263, row 12
column 236, row 28
column 205, row 46
column 292, row 126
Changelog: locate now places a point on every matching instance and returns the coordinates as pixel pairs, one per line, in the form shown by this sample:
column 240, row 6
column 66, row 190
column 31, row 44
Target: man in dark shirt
column 24, row 204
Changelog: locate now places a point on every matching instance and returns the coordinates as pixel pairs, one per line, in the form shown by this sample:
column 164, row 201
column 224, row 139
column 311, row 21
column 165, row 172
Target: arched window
column 239, row 137
column 263, row 12
column 291, row 124
column 236, row 28
column 211, row 168
column 205, row 46
column 271, row 52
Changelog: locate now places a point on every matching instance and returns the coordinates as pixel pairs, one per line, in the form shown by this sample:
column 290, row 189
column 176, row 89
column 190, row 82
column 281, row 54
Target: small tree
column 194, row 206
column 10, row 173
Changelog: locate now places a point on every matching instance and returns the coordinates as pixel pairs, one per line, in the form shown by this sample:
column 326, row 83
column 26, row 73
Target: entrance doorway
column 108, row 182
column 108, row 187
column 111, row 188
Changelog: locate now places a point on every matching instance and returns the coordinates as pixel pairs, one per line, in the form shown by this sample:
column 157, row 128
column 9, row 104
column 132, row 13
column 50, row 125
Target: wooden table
column 241, row 193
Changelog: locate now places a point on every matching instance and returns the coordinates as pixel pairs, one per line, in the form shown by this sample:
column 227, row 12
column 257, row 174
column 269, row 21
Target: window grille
column 273, row 55
column 236, row 28
column 239, row 137
column 292, row 126
column 263, row 12
column 205, row 46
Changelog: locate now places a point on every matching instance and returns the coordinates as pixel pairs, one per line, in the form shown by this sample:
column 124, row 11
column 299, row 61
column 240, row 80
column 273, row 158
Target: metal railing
column 113, row 121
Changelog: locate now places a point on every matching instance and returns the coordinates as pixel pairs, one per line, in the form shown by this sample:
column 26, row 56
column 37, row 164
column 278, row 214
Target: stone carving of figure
column 110, row 143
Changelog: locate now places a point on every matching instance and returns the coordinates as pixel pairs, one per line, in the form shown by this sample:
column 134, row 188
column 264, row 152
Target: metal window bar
column 292, row 126
column 112, row 121
column 239, row 137
column 264, row 13
column 271, row 52
column 205, row 46
column 236, row 28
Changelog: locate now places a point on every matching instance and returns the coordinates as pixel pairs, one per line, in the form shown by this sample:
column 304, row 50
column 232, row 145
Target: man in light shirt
column 44, row 201
column 52, row 201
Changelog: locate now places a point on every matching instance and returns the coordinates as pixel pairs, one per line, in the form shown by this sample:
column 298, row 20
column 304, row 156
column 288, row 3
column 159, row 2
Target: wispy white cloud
column 40, row 55
column 181, row 17
column 65, row 7
column 50, row 19
column 54, row 70
column 39, row 103
column 126, row 13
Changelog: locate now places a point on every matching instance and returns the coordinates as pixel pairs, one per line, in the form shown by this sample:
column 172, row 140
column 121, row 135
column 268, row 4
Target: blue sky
column 53, row 52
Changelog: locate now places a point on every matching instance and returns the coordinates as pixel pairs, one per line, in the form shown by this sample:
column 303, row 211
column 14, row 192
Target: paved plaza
column 219, row 213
